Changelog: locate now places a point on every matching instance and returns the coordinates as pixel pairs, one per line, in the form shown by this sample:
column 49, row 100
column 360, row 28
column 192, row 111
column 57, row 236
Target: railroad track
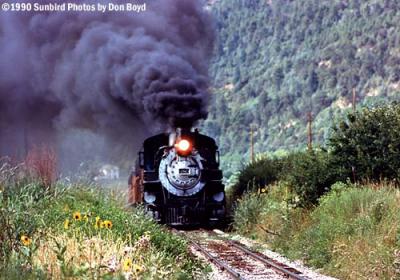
column 236, row 259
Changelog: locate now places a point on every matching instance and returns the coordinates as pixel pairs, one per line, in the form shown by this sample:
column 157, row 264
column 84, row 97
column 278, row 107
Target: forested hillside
column 277, row 60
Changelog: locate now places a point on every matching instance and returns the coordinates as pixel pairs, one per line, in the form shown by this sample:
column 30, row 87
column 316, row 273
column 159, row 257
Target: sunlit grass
column 354, row 232
column 66, row 255
column 82, row 232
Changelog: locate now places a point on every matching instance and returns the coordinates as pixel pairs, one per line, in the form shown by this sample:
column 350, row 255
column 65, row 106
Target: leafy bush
column 310, row 174
column 258, row 174
column 366, row 146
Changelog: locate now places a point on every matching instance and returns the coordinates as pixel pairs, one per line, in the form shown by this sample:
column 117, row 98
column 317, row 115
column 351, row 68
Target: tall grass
column 51, row 230
column 353, row 233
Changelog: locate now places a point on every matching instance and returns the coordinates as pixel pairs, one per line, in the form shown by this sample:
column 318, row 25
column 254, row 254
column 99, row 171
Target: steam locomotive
column 178, row 180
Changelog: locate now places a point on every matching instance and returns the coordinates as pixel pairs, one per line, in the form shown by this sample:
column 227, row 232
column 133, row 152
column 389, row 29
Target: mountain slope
column 277, row 60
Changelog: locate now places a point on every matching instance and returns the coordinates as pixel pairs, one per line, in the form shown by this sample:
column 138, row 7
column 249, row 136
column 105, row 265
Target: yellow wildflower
column 263, row 190
column 127, row 265
column 85, row 218
column 107, row 224
column 25, row 240
column 66, row 224
column 77, row 215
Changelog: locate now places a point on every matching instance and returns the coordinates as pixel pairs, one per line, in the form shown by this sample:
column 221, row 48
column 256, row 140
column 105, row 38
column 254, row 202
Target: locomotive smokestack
column 172, row 138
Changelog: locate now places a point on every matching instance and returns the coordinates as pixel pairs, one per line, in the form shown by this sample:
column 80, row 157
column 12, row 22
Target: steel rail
column 281, row 268
column 222, row 265
column 266, row 261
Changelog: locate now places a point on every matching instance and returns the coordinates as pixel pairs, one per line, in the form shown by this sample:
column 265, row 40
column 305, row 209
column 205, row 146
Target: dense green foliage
column 352, row 234
column 309, row 175
column 363, row 147
column 351, row 226
column 367, row 144
column 256, row 175
column 276, row 60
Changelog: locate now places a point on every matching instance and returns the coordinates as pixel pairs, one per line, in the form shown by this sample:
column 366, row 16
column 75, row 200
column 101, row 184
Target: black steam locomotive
column 178, row 179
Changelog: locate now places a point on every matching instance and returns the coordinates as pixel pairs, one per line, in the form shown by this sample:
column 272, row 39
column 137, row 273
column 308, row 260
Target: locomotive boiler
column 178, row 180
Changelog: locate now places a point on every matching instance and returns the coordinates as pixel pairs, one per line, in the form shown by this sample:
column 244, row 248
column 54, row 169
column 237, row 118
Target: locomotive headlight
column 183, row 146
column 149, row 198
column 219, row 197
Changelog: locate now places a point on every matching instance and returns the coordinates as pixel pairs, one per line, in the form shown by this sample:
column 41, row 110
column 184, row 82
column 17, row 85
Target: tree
column 367, row 144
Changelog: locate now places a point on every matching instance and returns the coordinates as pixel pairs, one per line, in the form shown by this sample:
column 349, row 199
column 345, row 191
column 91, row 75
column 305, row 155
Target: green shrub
column 366, row 145
column 257, row 175
column 310, row 174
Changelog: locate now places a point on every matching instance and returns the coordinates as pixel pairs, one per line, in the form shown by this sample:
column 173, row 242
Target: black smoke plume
column 117, row 74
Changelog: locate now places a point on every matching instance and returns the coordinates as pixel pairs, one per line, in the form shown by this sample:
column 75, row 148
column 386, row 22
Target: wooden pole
column 354, row 100
column 309, row 121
